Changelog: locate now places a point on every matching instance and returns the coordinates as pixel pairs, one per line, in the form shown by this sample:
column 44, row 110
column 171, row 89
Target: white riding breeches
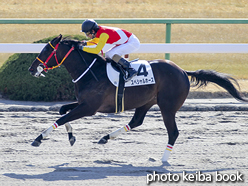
column 132, row 45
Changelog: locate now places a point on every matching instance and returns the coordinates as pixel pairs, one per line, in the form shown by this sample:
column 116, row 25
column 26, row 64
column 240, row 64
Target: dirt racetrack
column 212, row 145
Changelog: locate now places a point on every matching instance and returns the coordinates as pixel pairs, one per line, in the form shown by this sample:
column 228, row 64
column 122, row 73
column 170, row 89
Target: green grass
column 235, row 64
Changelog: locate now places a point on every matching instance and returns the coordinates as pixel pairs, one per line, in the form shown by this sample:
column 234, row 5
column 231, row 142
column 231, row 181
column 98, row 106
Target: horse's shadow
column 62, row 172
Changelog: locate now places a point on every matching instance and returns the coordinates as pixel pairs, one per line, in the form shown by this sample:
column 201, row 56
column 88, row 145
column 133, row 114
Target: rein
column 59, row 64
column 54, row 54
column 87, row 68
column 75, row 81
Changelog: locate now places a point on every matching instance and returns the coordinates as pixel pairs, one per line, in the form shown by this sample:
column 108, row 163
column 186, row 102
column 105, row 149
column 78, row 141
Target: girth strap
column 119, row 96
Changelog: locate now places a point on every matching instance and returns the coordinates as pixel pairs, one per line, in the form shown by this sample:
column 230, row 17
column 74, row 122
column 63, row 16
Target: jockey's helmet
column 88, row 25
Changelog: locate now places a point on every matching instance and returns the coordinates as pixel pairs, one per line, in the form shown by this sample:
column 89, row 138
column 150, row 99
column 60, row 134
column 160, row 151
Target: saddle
column 117, row 67
column 116, row 75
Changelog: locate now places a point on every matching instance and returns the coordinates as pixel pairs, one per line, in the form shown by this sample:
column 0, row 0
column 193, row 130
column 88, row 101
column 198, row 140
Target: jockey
column 124, row 43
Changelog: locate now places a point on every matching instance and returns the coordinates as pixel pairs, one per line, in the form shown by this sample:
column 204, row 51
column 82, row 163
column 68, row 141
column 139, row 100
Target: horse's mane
column 74, row 42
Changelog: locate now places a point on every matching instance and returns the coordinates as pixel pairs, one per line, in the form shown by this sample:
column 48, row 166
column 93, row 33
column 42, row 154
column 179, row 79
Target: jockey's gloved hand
column 84, row 42
column 79, row 46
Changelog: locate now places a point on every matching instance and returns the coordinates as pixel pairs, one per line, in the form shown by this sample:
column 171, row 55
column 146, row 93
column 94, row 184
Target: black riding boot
column 126, row 66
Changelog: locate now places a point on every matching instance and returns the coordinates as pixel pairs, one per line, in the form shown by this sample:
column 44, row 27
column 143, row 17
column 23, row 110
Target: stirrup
column 126, row 78
column 137, row 59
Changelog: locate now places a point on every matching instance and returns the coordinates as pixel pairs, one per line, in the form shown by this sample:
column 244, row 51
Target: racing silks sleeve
column 100, row 44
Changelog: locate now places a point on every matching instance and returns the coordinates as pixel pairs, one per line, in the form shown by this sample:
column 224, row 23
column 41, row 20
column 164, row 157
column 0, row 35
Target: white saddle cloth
column 144, row 77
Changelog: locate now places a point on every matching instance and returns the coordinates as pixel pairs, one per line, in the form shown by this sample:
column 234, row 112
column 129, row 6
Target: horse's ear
column 60, row 36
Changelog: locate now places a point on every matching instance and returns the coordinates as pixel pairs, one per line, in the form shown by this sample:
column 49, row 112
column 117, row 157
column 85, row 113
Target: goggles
column 87, row 33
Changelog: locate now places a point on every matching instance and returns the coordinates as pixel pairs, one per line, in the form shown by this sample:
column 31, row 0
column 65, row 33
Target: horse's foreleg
column 136, row 121
column 78, row 112
column 43, row 135
column 62, row 111
column 67, row 107
column 72, row 138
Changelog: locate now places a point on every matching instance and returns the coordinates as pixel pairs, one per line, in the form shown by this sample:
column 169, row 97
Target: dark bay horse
column 95, row 93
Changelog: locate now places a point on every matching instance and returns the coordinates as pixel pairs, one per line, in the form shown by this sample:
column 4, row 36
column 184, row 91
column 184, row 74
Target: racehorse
column 95, row 93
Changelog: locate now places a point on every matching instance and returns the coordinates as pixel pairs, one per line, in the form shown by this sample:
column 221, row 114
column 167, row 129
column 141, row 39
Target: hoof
column 165, row 163
column 72, row 140
column 36, row 143
column 103, row 141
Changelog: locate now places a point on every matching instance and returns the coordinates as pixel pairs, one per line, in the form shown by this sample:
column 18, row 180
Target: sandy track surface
column 210, row 142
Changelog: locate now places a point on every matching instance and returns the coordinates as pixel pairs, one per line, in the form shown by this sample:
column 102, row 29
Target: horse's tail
column 203, row 77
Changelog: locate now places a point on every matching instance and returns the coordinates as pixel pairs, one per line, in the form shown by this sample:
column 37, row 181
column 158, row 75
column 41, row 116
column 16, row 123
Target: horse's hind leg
column 170, row 124
column 136, row 121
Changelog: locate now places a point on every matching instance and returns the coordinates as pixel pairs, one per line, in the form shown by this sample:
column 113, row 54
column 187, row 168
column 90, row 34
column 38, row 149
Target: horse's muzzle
column 37, row 72
column 31, row 70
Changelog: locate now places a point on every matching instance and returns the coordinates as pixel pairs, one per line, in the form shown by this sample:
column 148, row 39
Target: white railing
column 144, row 48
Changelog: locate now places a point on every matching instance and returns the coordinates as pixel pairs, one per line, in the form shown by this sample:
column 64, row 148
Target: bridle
column 55, row 56
column 59, row 64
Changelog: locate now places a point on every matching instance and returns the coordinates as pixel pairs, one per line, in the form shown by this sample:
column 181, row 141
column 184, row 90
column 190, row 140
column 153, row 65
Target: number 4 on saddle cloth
column 144, row 77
